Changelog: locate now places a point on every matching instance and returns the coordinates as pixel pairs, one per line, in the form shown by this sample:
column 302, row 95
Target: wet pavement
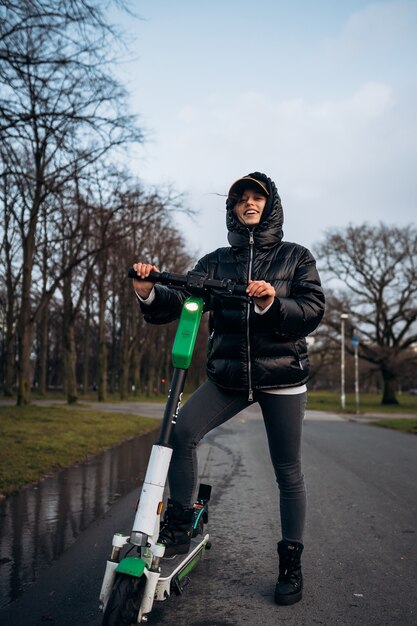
column 40, row 522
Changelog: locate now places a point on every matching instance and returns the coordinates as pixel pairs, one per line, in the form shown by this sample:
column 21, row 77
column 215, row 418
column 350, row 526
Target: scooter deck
column 174, row 569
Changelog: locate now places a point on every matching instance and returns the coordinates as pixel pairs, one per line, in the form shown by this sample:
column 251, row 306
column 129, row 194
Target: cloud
column 340, row 139
column 334, row 160
column 379, row 26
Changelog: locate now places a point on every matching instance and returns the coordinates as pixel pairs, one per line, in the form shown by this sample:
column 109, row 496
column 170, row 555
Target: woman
column 256, row 353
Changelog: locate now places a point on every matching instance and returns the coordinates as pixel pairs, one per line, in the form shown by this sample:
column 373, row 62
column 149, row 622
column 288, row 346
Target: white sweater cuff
column 149, row 299
column 260, row 311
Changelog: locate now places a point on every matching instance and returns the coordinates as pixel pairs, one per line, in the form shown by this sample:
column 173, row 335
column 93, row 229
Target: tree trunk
column 124, row 352
column 124, row 374
column 23, row 367
column 25, row 330
column 43, row 353
column 102, row 346
column 68, row 342
column 9, row 355
column 113, row 347
column 86, row 346
column 389, row 392
column 43, row 322
column 70, row 363
column 136, row 363
column 10, row 331
column 102, row 371
column 26, row 323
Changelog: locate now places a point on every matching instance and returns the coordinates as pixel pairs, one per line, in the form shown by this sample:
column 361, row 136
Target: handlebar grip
column 152, row 278
column 240, row 290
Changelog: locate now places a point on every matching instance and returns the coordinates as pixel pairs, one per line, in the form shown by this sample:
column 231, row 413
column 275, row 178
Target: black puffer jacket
column 248, row 351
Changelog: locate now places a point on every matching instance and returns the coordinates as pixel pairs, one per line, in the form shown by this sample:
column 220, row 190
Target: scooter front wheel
column 125, row 599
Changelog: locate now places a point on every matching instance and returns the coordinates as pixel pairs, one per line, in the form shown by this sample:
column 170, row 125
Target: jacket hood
column 269, row 231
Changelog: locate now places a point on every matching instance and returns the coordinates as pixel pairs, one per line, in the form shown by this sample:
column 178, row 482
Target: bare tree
column 149, row 234
column 375, row 269
column 157, row 341
column 10, row 261
column 60, row 108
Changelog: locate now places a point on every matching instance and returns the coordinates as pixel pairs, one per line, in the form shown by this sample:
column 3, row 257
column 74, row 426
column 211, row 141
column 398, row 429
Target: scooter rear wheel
column 125, row 600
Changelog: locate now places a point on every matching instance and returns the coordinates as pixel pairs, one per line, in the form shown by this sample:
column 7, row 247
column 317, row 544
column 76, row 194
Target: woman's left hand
column 262, row 292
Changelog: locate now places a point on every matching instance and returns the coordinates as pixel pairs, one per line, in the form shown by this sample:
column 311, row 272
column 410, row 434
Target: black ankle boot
column 176, row 529
column 289, row 587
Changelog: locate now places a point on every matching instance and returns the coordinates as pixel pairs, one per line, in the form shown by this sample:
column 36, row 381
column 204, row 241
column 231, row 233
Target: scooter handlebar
column 194, row 282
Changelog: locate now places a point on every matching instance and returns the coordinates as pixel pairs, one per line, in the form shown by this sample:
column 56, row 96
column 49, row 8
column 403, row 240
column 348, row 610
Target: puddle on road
column 40, row 522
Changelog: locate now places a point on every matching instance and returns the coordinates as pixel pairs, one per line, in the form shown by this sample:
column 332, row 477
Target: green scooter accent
column 131, row 565
column 186, row 335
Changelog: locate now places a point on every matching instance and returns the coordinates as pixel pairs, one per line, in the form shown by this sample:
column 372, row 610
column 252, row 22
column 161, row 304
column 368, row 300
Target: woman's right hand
column 143, row 287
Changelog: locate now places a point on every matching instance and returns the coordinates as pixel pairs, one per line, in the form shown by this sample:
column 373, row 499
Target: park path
column 156, row 409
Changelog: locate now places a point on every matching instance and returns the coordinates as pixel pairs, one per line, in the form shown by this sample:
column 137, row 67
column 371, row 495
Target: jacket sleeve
column 301, row 312
column 166, row 306
column 168, row 302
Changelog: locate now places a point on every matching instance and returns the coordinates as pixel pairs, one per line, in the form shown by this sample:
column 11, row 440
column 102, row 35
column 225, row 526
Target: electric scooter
column 137, row 572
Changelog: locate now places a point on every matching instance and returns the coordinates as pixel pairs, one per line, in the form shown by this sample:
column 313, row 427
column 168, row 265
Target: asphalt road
column 360, row 559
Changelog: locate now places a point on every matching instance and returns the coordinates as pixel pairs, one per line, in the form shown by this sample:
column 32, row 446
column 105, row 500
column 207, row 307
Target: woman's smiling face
column 249, row 207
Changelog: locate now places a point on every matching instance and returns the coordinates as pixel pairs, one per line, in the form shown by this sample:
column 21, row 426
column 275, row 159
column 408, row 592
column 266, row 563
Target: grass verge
column 368, row 403
column 38, row 440
column 407, row 424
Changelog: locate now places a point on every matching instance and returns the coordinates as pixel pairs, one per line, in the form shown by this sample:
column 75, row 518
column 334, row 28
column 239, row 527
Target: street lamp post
column 355, row 344
column 343, row 318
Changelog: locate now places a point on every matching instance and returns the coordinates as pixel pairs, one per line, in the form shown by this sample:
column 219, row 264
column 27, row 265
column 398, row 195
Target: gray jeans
column 209, row 407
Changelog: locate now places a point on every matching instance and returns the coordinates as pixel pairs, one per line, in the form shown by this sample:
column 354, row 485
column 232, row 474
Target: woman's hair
column 234, row 197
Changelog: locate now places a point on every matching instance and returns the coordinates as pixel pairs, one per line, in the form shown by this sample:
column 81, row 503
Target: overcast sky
column 320, row 95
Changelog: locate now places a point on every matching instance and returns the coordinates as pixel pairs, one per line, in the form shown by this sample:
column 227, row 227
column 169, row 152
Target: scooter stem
column 172, row 406
column 182, row 352
column 157, row 472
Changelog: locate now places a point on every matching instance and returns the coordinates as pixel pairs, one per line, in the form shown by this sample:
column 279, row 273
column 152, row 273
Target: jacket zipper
column 250, row 393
